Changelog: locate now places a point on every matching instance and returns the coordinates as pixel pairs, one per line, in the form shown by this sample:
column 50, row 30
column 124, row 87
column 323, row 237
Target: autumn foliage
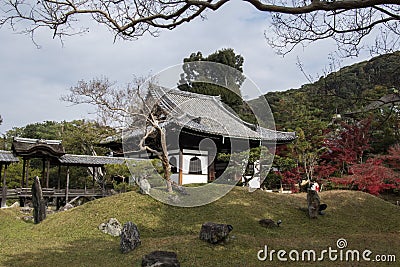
column 372, row 177
column 393, row 157
column 345, row 162
column 345, row 158
column 345, row 147
column 291, row 178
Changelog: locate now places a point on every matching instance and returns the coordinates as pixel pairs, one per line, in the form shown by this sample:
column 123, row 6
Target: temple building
column 197, row 127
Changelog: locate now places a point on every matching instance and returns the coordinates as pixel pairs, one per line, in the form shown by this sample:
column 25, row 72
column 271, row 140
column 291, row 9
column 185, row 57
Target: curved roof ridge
column 191, row 94
column 35, row 141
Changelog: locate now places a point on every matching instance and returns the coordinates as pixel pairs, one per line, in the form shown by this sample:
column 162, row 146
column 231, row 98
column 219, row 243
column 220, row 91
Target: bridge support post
column 23, row 173
column 4, row 191
column 59, row 177
column 47, row 173
column 67, row 186
column 58, row 203
column 27, row 172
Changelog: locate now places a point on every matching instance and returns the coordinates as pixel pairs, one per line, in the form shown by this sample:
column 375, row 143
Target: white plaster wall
column 194, row 178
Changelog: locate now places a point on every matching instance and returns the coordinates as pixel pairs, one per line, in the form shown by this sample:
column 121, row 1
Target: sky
column 33, row 79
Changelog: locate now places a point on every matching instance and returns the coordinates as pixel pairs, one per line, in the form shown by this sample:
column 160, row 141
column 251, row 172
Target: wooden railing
column 52, row 192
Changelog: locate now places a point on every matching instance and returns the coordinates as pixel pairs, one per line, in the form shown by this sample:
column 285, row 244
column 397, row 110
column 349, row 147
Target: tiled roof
column 86, row 160
column 7, row 157
column 208, row 114
column 279, row 136
column 34, row 147
column 54, row 149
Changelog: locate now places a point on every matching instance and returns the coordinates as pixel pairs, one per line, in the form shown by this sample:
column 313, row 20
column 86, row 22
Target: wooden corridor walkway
column 51, row 194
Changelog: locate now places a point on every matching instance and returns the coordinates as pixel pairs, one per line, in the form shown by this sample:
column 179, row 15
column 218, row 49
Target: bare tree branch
column 295, row 22
column 129, row 108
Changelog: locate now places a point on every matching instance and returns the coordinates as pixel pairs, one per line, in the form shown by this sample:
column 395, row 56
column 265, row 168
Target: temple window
column 195, row 166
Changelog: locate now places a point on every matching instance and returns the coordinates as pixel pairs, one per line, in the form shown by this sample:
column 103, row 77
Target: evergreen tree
column 222, row 81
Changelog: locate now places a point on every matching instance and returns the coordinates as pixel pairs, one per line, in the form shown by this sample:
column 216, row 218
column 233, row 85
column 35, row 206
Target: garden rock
column 67, row 206
column 130, row 237
column 112, row 227
column 160, row 258
column 15, row 205
column 28, row 219
column 144, row 186
column 313, row 203
column 27, row 210
column 268, row 223
column 215, row 233
column 38, row 202
column 321, row 209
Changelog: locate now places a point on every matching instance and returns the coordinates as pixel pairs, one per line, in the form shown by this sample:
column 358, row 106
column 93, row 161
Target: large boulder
column 215, row 233
column 112, row 227
column 38, row 202
column 144, row 186
column 130, row 237
column 160, row 259
column 313, row 203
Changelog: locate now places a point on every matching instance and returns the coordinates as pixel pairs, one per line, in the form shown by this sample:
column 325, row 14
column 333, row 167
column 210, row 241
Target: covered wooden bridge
column 6, row 158
column 52, row 153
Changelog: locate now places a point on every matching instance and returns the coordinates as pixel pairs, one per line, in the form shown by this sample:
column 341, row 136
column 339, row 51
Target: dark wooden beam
column 23, row 172
column 4, row 188
column 27, row 172
column 67, row 186
column 43, row 171
column 47, row 173
column 59, row 177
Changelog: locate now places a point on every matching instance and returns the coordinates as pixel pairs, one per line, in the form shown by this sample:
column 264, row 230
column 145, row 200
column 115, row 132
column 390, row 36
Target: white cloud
column 32, row 80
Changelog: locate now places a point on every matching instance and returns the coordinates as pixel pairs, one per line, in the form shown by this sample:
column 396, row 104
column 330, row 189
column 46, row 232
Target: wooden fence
column 52, row 192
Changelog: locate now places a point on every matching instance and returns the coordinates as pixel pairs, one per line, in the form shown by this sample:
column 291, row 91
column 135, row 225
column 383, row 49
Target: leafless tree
column 129, row 108
column 294, row 22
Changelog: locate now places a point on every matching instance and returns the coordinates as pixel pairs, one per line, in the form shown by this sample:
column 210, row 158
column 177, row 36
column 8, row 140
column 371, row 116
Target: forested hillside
column 346, row 93
column 346, row 121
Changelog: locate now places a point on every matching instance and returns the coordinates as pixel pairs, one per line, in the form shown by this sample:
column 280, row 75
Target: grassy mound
column 71, row 238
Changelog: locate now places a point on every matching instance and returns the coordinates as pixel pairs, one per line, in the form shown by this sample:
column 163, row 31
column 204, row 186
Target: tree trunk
column 165, row 160
column 167, row 172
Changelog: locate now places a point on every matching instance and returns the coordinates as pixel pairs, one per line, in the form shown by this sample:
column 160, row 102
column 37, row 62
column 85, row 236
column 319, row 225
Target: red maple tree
column 344, row 147
column 393, row 157
column 372, row 177
column 292, row 178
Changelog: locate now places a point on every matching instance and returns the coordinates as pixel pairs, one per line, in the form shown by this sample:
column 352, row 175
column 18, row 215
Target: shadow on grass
column 77, row 242
column 84, row 252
